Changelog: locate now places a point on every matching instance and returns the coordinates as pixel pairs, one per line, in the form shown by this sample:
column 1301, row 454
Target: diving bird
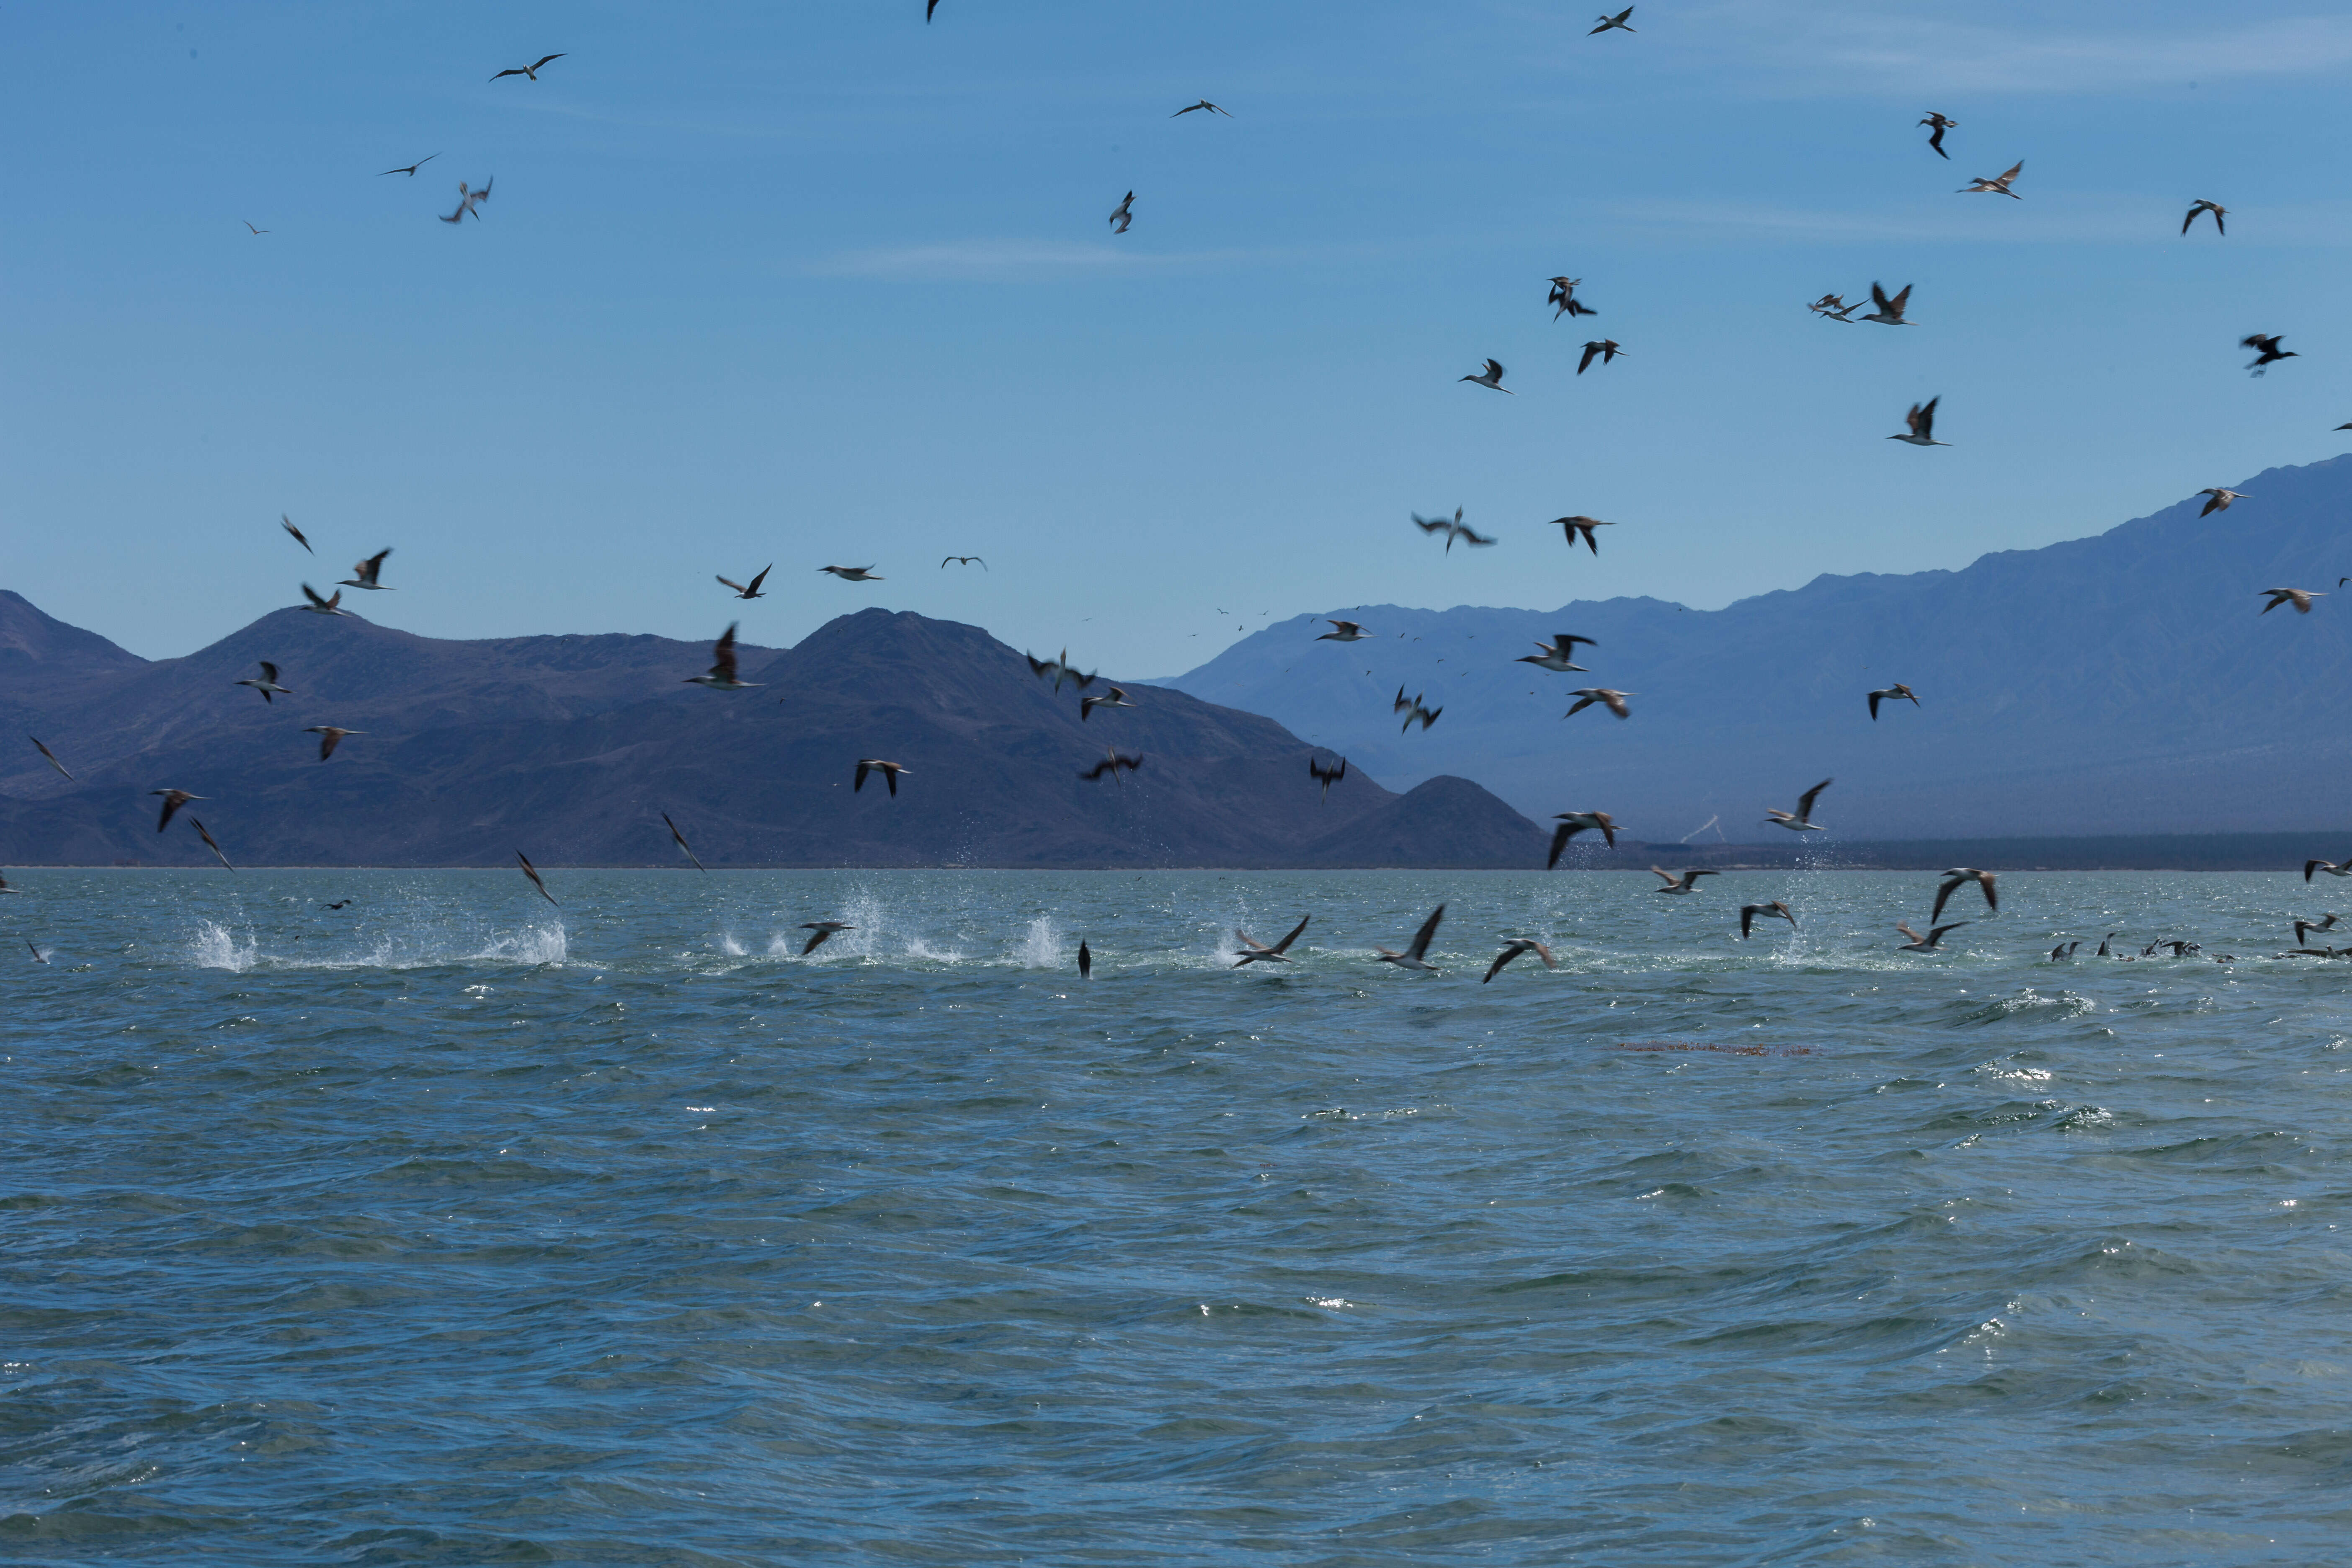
column 209, row 842
column 1997, row 184
column 1412, row 710
column 1899, row 693
column 470, row 201
column 1512, row 948
column 1686, row 882
column 1922, row 420
column 1573, row 526
column 1960, row 877
column 1563, row 294
column 1775, row 910
column 532, row 872
column 683, row 847
column 319, row 607
column 721, row 677
column 1205, row 103
column 1801, row 819
column 51, row 755
column 5, row 887
column 1348, row 631
column 1586, row 695
column 1889, row 312
column 1112, row 764
column 1559, row 655
column 368, row 571
column 2222, row 500
column 1086, row 705
column 175, row 798
column 1572, row 823
column 2303, row 926
column 1452, row 529
column 1492, row 376
column 750, row 590
column 1123, row 215
column 2063, row 952
column 1060, row 668
column 929, row 7
column 329, row 737
column 1326, row 777
column 889, row 772
column 268, row 683
column 962, row 561
column 1260, row 953
column 851, row 573
column 2299, row 597
column 825, row 929
column 2203, row 206
column 287, row 523
column 411, row 169
column 1085, row 960
column 2330, row 866
column 1606, row 350
column 1413, row 957
column 531, row 70
column 1936, row 137
column 2267, row 352
column 38, row 956
column 1618, row 22
column 1926, row 943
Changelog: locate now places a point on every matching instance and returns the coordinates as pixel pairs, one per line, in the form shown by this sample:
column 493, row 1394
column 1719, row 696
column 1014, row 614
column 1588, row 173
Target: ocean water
column 452, row 1227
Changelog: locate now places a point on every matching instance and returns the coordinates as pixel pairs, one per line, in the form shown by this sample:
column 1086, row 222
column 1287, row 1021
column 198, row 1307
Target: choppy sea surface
column 451, row 1226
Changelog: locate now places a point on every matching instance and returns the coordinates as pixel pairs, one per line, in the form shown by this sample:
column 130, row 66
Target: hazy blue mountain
column 572, row 748
column 2120, row 684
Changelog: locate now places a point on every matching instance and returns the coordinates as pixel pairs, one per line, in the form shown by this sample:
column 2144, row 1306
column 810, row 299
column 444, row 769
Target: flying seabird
column 1998, row 182
column 1123, row 215
column 1326, row 777
column 1060, row 668
column 2267, row 352
column 722, row 666
column 1959, row 877
column 1559, row 655
column 825, row 929
column 1572, row 823
column 1563, row 294
column 851, row 573
column 1452, row 529
column 323, row 607
column 2063, row 952
column 532, row 872
column 750, row 590
column 51, row 755
column 268, row 683
column 1260, row 953
column 2303, row 926
column 1926, row 943
column 1111, row 765
column 287, row 523
column 2203, row 206
column 368, row 571
column 1583, row 525
column 1413, row 956
column 684, row 847
column 470, row 201
column 1683, row 883
column 1413, row 710
column 1512, row 948
column 929, row 6
column 531, row 70
column 2222, row 500
column 1922, row 420
column 329, row 737
column 1801, row 819
column 1936, row 137
column 1348, row 632
column 250, row 227
column 1618, row 21
column 1586, row 695
column 411, row 169
column 338, row 904
column 1775, row 910
column 2330, row 866
column 1491, row 376
column 1606, row 350
column 1835, row 306
column 175, row 798
column 1086, row 705
column 209, row 842
column 1085, row 960
column 1890, row 312
column 2299, row 597
column 1205, row 103
column 961, row 560
column 1899, row 693
column 889, row 772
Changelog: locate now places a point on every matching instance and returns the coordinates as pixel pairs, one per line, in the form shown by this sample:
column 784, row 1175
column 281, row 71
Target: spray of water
column 215, row 947
column 1040, row 946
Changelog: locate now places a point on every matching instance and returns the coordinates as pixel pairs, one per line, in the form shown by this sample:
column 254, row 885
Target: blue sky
column 817, row 283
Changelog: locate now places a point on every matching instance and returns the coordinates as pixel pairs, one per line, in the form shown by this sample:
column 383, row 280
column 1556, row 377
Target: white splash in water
column 728, row 945
column 214, row 947
column 1041, row 945
column 532, row 944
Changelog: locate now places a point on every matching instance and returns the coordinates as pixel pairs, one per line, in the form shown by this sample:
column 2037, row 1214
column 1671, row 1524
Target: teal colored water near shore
column 454, row 1228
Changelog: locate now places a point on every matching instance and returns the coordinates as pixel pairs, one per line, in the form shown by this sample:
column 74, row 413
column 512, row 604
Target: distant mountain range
column 572, row 749
column 2123, row 684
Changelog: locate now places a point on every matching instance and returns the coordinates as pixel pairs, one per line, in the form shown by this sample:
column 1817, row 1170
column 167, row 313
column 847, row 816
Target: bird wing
column 1668, row 877
column 2014, row 170
column 1873, row 703
column 1943, row 896
column 1616, row 701
column 1428, row 929
column 1746, row 919
column 268, row 670
column 1472, row 536
column 51, row 755
column 543, row 60
column 1897, row 304
column 760, row 578
column 1540, row 951
column 1559, row 838
column 722, row 654
column 1936, row 933
column 1284, row 946
column 288, row 524
column 863, row 769
column 209, row 843
column 1501, row 959
column 1580, row 705
column 329, row 739
column 1431, row 525
column 1589, row 350
column 372, row 565
column 1495, row 368
column 1992, row 898
column 1878, row 297
column 813, row 942
column 1906, row 930
column 1805, row 801
column 517, row 71
column 532, row 872
column 679, row 839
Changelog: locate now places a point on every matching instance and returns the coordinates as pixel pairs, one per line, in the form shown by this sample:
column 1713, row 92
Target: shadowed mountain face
column 2125, row 683
column 571, row 748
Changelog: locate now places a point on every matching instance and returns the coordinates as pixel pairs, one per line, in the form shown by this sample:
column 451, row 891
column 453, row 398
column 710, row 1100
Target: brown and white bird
column 1326, row 777
column 1452, row 529
column 1512, row 948
column 1086, row 705
column 1347, row 631
column 268, row 683
column 1113, row 763
column 1899, row 693
column 369, row 570
column 1123, row 215
column 1801, row 819
column 1492, row 376
column 1959, row 877
column 1605, row 350
column 2267, row 352
column 851, row 573
column 1412, row 710
column 1586, row 695
column 1260, row 953
column 1936, row 137
column 1775, row 910
column 1616, row 22
column 1922, row 421
column 1573, row 526
column 1889, row 312
column 2221, row 500
column 52, row 756
column 1685, row 882
column 319, row 607
column 825, row 929
column 532, row 872
column 287, row 523
column 1925, row 944
column 2330, row 866
column 1835, row 306
column 1205, row 103
column 210, row 842
column 683, row 847
column 1414, row 954
column 2201, row 205
column 2303, row 926
column 470, row 201
column 889, row 772
column 1997, row 184
column 750, row 590
column 2299, row 597
column 1572, row 823
column 721, row 676
column 174, row 799
column 1559, row 655
column 329, row 737
column 531, row 70
column 1563, row 294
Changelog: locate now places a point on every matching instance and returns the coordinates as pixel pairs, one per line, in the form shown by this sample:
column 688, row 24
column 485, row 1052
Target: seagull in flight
column 319, row 607
column 288, row 524
column 1999, row 184
column 210, row 842
column 1616, row 22
column 1205, row 103
column 962, row 561
column 750, row 590
column 1512, row 948
column 1922, row 420
column 1327, row 777
column 1348, row 631
column 1801, row 819
column 268, row 683
column 721, row 677
column 1926, row 943
column 175, row 798
column 1606, row 350
column 1936, row 137
column 51, row 755
column 2330, row 866
column 1412, row 710
column 250, row 227
column 1111, row 765
column 825, row 929
column 1413, row 956
column 1452, row 529
column 1899, row 693
column 2303, row 926
column 684, row 847
column 1260, row 953
column 411, row 169
column 889, row 772
column 2203, row 206
column 1583, row 525
column 532, row 872
column 1559, row 654
column 1123, row 215
column 368, row 571
column 1586, row 695
column 2222, row 500
column 329, row 737
column 1775, row 910
column 1086, row 705
column 1563, row 294
column 851, row 573
column 531, row 70
column 1686, row 882
column 2299, row 597
column 2267, row 352
column 1572, row 823
column 1492, row 376
column 1960, row 877
column 1890, row 312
